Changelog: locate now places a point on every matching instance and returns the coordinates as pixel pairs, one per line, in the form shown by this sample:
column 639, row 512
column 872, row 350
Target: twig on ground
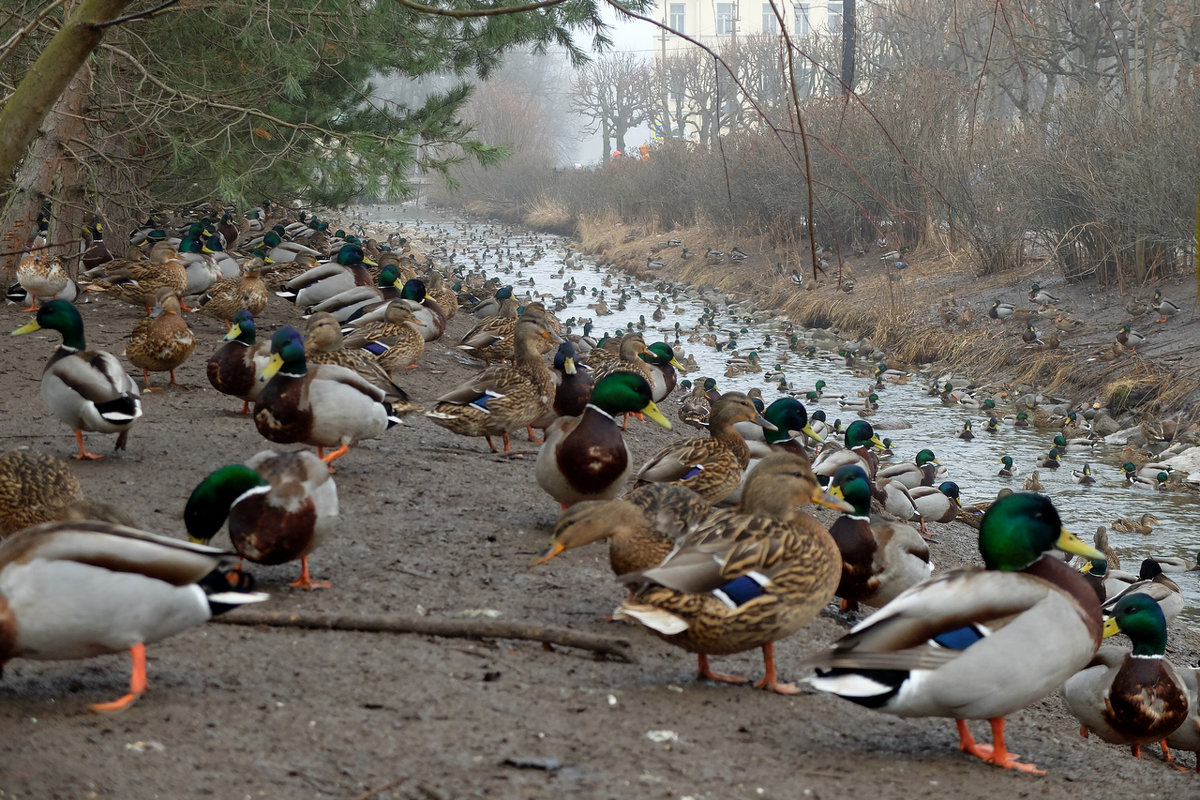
column 616, row 648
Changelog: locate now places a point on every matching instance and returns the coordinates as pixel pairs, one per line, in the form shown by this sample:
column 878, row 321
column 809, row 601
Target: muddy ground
column 433, row 524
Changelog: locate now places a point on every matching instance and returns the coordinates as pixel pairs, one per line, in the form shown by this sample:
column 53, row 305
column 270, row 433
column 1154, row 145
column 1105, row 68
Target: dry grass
column 915, row 319
column 549, row 215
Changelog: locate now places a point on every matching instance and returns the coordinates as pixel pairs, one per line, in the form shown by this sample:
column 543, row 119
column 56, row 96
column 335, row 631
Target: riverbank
column 934, row 313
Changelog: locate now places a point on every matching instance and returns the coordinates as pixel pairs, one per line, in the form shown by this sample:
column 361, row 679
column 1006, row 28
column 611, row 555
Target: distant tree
column 613, row 93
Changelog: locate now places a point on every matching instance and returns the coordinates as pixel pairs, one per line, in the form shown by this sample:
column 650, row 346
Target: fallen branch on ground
column 619, row 649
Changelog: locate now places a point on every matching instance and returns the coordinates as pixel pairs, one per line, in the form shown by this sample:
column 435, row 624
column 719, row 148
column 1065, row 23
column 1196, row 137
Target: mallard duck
column 83, row 588
column 281, row 251
column 86, row 389
column 1146, row 472
column 631, row 346
column 696, row 407
column 1130, row 697
column 437, row 290
column 236, row 366
column 225, row 297
column 1187, row 735
column 162, row 342
column 34, row 488
column 921, row 471
column 324, row 344
column 1001, row 312
column 641, row 527
column 740, row 581
column 429, row 317
column 1033, row 483
column 879, row 559
column 1083, row 476
column 96, row 252
column 1042, row 297
column 41, row 275
column 977, row 643
column 492, row 338
column 503, row 398
column 346, row 270
column 585, row 457
column 660, row 357
column 1128, row 337
column 1006, row 469
column 711, row 467
column 936, row 503
column 1166, row 309
column 326, row 406
column 1053, row 459
column 1152, row 581
column 394, row 341
column 201, row 264
column 790, row 418
column 501, row 304
column 1176, row 564
column 859, row 438
column 966, row 434
column 1030, row 335
column 135, row 282
column 575, row 383
column 359, row 300
column 280, row 507
column 868, row 403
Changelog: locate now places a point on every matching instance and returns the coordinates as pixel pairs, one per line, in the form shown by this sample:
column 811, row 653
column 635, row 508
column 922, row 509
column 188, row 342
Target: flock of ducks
column 1125, row 339
column 710, row 535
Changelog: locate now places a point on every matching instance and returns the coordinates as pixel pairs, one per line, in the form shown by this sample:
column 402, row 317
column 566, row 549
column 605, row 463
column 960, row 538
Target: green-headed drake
column 89, row 390
column 977, row 643
column 585, row 457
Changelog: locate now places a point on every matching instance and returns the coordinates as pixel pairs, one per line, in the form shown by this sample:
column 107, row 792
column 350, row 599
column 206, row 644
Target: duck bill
column 552, row 336
column 235, row 331
column 810, row 433
column 831, row 499
column 764, row 423
column 1070, row 543
column 273, row 366
column 674, row 362
column 554, row 550
column 369, row 262
column 569, row 366
column 879, row 445
column 28, row 327
column 1111, row 628
column 651, row 411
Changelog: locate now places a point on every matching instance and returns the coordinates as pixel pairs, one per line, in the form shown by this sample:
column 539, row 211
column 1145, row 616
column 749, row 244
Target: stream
column 536, row 263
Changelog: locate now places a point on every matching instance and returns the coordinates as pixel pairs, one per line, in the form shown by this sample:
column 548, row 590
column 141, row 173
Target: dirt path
column 435, row 525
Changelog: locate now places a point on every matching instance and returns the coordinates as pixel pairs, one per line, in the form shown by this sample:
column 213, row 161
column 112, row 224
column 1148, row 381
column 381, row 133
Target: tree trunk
column 49, row 76
column 48, row 173
column 849, row 36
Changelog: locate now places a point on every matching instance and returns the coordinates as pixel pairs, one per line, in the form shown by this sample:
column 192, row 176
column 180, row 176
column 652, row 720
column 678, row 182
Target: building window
column 803, row 24
column 833, row 17
column 769, row 23
column 724, row 19
column 677, row 17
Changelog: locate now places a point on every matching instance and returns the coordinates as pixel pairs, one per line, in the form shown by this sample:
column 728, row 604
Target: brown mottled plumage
column 711, row 467
column 786, row 565
column 399, row 344
column 225, row 297
column 161, row 343
column 503, row 398
column 136, row 282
